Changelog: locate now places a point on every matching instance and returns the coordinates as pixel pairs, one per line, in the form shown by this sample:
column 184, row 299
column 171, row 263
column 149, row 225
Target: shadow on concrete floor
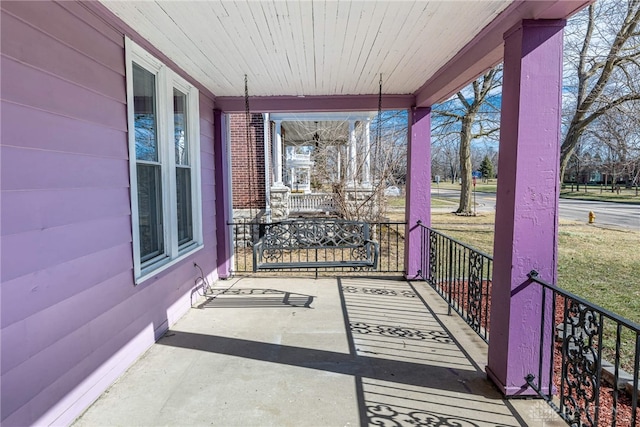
column 360, row 351
column 245, row 298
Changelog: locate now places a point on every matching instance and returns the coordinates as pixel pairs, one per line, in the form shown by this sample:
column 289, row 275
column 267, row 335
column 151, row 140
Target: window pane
column 145, row 119
column 185, row 217
column 150, row 211
column 180, row 127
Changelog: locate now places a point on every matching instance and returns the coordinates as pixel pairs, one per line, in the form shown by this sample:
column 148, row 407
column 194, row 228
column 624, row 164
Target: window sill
column 159, row 266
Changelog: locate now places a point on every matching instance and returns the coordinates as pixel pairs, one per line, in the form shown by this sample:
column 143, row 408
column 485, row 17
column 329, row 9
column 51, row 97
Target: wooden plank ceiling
column 307, row 48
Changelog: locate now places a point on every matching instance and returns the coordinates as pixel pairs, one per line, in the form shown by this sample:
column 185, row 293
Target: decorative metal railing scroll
column 591, row 363
column 588, row 363
column 460, row 274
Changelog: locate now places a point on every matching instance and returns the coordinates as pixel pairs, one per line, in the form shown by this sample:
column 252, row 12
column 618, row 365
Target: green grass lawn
column 481, row 186
column 436, row 202
column 596, row 263
column 599, row 264
column 395, row 202
column 443, row 203
column 593, row 193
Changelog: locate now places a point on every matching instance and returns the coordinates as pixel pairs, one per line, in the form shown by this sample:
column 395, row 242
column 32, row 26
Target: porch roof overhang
column 330, row 128
column 328, row 56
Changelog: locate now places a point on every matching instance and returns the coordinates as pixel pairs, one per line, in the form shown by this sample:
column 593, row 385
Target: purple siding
column 59, row 133
column 72, row 320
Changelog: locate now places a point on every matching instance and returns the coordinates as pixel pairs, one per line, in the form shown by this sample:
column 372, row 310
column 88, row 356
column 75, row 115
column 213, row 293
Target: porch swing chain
column 250, row 154
column 378, row 129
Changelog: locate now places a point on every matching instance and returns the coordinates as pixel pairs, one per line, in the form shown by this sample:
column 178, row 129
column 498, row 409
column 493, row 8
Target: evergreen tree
column 486, row 168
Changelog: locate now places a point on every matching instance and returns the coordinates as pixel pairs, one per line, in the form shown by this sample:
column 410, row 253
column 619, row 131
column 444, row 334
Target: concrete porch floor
column 304, row 352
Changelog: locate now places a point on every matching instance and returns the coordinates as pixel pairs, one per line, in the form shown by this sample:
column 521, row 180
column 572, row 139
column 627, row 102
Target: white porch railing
column 298, row 160
column 314, row 202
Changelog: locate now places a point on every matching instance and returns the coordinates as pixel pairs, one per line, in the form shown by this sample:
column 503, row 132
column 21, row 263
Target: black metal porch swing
column 310, row 243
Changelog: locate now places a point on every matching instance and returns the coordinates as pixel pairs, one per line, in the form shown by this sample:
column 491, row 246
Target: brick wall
column 247, row 161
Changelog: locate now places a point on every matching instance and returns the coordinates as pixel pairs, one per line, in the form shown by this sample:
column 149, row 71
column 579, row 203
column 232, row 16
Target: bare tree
column 445, row 158
column 582, row 162
column 602, row 51
column 474, row 113
column 390, row 152
column 617, row 139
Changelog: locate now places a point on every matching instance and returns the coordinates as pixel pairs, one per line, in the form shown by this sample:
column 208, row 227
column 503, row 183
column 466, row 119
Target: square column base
column 512, row 391
column 362, row 201
column 279, row 202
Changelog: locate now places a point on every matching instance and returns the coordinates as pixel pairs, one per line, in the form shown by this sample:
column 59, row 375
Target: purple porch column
column 223, row 199
column 418, row 192
column 527, row 202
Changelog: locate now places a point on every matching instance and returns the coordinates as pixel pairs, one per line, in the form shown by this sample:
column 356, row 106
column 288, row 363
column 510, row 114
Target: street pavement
column 607, row 213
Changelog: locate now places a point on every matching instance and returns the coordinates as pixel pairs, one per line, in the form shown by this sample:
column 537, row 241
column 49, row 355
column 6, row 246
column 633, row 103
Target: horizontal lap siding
column 27, row 169
column 68, row 63
column 59, row 133
column 50, row 208
column 72, row 319
column 49, row 92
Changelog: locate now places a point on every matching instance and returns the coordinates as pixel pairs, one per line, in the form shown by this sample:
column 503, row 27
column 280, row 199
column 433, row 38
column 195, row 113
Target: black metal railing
column 460, row 274
column 587, row 364
column 592, row 359
column 389, row 235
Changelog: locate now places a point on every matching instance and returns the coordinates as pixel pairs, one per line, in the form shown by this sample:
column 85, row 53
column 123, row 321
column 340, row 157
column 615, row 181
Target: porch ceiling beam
column 293, row 104
column 486, row 49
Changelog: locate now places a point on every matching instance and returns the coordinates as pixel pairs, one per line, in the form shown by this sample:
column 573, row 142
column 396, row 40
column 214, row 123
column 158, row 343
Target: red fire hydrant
column 592, row 217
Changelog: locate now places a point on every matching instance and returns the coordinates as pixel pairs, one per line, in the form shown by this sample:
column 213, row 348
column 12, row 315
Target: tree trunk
column 452, row 169
column 566, row 151
column 466, row 207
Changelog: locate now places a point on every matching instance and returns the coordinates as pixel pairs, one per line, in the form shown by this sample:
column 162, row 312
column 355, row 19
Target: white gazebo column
column 279, row 193
column 339, row 150
column 277, row 155
column 366, row 166
column 351, row 161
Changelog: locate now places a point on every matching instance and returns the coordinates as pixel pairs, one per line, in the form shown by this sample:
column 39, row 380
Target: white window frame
column 166, row 80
